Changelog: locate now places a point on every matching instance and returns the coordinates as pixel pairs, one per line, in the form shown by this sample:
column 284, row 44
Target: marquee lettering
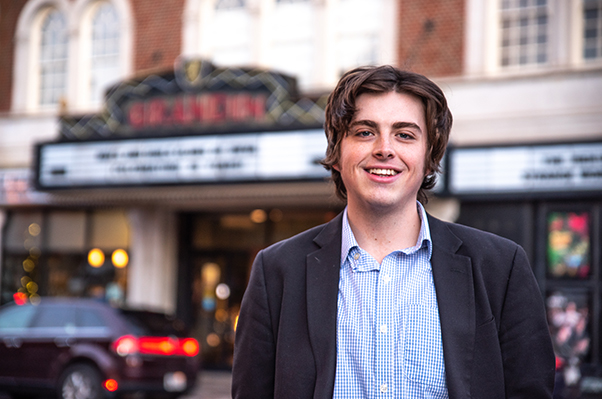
column 187, row 110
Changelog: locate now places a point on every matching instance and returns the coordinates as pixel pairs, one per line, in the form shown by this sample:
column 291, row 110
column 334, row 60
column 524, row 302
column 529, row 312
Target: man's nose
column 382, row 148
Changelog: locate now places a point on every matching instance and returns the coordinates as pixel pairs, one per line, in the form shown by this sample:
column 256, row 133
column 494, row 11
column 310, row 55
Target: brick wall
column 157, row 33
column 9, row 15
column 431, row 36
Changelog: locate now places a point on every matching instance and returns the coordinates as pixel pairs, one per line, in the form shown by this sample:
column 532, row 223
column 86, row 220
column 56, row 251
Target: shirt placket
column 384, row 331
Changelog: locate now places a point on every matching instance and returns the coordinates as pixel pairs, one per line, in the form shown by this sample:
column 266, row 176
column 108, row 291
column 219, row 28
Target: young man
column 386, row 301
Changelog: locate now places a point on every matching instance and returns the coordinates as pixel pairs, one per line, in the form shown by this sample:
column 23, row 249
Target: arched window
column 105, row 40
column 54, row 44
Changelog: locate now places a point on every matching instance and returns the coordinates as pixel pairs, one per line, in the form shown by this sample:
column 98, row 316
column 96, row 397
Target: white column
column 153, row 267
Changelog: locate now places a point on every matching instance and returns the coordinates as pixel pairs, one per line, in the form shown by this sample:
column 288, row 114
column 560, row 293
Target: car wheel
column 80, row 381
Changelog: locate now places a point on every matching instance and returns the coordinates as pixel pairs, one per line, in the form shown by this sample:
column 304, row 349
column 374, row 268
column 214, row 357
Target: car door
column 47, row 343
column 14, row 324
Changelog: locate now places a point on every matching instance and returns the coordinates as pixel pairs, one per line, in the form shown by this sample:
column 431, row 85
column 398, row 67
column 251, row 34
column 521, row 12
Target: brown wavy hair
column 384, row 79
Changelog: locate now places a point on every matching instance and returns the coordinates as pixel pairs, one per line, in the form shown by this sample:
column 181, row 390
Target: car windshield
column 154, row 324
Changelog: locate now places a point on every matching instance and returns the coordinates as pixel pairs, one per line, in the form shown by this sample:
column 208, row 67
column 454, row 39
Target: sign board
column 283, row 155
column 523, row 169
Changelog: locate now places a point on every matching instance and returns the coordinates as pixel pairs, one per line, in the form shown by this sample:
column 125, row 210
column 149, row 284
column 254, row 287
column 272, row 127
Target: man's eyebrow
column 396, row 125
column 364, row 122
column 406, row 125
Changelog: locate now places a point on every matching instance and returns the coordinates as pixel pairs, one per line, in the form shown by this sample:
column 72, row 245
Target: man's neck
column 381, row 232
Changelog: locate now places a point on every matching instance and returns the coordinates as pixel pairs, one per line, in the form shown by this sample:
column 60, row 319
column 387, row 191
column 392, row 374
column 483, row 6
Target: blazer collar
column 452, row 275
column 323, row 268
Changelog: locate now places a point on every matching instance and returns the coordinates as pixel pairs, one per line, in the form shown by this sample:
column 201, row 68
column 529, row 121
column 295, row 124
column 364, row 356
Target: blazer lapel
column 452, row 275
column 323, row 267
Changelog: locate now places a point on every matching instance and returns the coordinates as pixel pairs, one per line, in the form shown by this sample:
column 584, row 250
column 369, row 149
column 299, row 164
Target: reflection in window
column 568, row 320
column 568, row 245
column 53, row 59
column 524, row 32
column 17, row 317
column 105, row 50
column 592, row 29
column 55, row 316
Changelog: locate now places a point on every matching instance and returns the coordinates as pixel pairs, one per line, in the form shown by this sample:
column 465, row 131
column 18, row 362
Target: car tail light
column 126, row 345
column 164, row 346
column 110, row 385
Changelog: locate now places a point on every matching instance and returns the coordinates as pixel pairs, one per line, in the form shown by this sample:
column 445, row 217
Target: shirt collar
column 348, row 242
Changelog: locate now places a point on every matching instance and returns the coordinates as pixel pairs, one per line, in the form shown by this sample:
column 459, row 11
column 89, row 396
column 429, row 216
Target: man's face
column 382, row 158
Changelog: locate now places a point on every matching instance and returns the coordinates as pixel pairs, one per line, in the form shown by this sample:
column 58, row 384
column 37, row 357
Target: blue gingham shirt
column 388, row 330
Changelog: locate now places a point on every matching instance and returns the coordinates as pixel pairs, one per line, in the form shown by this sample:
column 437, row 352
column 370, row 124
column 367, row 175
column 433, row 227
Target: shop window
column 46, row 254
column 568, row 254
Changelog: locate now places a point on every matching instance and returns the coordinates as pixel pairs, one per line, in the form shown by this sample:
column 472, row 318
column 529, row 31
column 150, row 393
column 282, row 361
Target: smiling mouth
column 383, row 172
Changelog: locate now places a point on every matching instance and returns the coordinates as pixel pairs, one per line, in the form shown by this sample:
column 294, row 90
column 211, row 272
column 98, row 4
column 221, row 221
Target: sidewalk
column 212, row 385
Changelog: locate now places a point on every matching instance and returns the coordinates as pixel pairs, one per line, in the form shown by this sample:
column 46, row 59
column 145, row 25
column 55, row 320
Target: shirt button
column 383, row 388
column 383, row 329
column 386, row 278
column 356, row 256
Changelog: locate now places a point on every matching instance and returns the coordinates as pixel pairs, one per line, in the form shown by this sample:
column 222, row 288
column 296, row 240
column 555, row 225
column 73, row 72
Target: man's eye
column 404, row 135
column 364, row 133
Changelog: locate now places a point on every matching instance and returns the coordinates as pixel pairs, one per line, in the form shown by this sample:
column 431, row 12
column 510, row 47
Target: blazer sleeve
column 254, row 350
column 528, row 356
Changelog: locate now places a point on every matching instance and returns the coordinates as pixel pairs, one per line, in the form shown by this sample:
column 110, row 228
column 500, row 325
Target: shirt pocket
column 423, row 349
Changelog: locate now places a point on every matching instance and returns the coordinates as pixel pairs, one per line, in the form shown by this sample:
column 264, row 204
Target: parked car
column 78, row 348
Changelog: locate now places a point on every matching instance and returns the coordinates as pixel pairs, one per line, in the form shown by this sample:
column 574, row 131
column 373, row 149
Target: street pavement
column 211, row 385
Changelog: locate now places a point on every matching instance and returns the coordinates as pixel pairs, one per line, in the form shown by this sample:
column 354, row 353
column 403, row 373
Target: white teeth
column 384, row 172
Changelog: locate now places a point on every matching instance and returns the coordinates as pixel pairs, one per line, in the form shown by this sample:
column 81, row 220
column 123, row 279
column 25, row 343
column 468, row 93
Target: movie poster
column 569, row 245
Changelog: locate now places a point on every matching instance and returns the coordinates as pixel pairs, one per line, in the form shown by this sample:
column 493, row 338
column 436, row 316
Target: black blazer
column 494, row 332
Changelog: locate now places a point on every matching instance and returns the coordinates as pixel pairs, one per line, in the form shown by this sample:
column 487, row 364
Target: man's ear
column 336, row 167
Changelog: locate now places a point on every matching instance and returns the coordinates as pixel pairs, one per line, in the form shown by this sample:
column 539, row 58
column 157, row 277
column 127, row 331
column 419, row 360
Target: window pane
column 569, row 245
column 55, row 317
column 524, row 28
column 16, row 317
column 53, row 59
column 358, row 34
column 232, row 38
column 592, row 29
column 89, row 318
column 105, row 50
column 227, row 4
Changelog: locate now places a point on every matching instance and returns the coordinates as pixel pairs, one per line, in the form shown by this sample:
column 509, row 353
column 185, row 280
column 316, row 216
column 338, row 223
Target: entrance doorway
column 216, row 254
